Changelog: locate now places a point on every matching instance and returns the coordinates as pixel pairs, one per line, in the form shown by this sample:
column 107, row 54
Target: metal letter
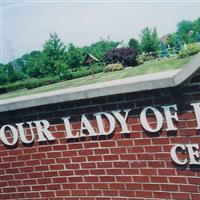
column 101, row 124
column 4, row 138
column 169, row 116
column 68, row 128
column 22, row 133
column 144, row 122
column 122, row 120
column 196, row 107
column 42, row 129
column 193, row 150
column 174, row 155
column 85, row 125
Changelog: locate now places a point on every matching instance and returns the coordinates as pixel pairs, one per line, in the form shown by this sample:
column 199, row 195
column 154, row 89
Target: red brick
column 54, row 187
column 59, row 179
column 91, row 179
column 150, row 186
column 127, row 193
column 195, row 196
column 47, row 194
column 75, row 179
column 110, row 193
column 180, row 195
column 94, row 192
column 108, row 144
column 144, row 194
column 162, row 195
column 84, row 186
column 169, row 187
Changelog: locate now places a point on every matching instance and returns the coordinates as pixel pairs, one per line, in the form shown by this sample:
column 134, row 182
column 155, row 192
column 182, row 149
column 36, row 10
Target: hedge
column 33, row 83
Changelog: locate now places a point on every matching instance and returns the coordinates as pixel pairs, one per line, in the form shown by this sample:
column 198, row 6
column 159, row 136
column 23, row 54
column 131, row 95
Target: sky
column 26, row 25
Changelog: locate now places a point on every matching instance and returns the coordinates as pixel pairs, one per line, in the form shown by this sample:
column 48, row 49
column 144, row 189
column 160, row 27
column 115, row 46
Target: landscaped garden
column 60, row 66
column 152, row 66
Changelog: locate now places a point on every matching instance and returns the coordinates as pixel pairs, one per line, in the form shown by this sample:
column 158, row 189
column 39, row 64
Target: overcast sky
column 26, row 24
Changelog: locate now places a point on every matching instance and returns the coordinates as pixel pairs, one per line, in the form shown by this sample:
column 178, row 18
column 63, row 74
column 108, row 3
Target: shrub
column 28, row 84
column 86, row 71
column 33, row 83
column 146, row 57
column 41, row 82
column 113, row 67
column 192, row 49
column 10, row 87
column 125, row 55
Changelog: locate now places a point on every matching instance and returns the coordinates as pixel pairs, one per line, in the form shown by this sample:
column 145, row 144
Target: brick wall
column 132, row 166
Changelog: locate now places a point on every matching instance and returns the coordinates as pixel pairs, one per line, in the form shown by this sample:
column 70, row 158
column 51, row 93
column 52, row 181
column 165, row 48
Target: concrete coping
column 132, row 84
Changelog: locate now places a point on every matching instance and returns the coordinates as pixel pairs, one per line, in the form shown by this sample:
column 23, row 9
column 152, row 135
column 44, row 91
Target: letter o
column 4, row 138
column 144, row 122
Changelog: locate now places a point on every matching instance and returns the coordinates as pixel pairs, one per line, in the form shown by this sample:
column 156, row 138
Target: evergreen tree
column 54, row 50
column 164, row 51
column 197, row 37
column 177, row 44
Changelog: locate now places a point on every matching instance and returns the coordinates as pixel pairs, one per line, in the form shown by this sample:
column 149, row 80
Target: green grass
column 146, row 68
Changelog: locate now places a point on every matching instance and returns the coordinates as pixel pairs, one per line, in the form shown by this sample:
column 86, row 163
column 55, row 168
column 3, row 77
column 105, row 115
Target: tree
column 196, row 26
column 177, row 44
column 35, row 62
column 134, row 44
column 170, row 39
column 164, row 52
column 125, row 56
column 184, row 31
column 73, row 57
column 54, row 50
column 99, row 49
column 197, row 37
column 62, row 70
column 3, row 78
column 149, row 40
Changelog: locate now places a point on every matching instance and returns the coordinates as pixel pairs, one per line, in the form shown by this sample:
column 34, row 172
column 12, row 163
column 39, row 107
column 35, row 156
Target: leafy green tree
column 35, row 62
column 3, row 78
column 177, row 44
column 134, row 44
column 54, row 50
column 99, row 49
column 170, row 39
column 149, row 40
column 184, row 31
column 164, row 51
column 196, row 26
column 74, row 57
column 62, row 70
column 12, row 73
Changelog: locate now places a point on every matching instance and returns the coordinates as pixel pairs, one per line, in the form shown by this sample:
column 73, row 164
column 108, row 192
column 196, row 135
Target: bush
column 191, row 49
column 113, row 67
column 146, row 57
column 33, row 83
column 28, row 84
column 125, row 56
column 41, row 82
column 87, row 71
column 10, row 87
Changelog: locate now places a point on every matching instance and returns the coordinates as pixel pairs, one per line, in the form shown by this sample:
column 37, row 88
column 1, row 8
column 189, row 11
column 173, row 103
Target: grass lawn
column 146, row 68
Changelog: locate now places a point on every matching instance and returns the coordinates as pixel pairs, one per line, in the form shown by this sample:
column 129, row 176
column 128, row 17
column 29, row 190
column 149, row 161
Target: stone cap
column 132, row 84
